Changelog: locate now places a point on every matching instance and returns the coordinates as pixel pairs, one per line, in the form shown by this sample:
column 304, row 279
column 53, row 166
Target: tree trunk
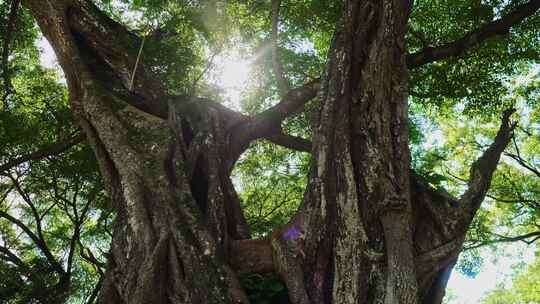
column 357, row 217
column 369, row 230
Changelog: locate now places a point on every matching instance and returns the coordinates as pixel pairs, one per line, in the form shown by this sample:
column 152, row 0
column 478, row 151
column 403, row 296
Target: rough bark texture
column 359, row 192
column 164, row 167
column 369, row 229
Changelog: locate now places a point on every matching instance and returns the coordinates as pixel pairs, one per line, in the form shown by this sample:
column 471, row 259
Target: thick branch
column 268, row 123
column 292, row 103
column 107, row 51
column 111, row 52
column 483, row 168
column 291, row 142
column 438, row 203
column 244, row 129
column 472, row 39
column 252, row 256
column 51, row 150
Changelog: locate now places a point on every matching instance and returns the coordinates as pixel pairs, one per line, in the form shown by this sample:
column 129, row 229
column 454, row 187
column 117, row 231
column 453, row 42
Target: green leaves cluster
column 476, row 79
column 271, row 181
column 58, row 199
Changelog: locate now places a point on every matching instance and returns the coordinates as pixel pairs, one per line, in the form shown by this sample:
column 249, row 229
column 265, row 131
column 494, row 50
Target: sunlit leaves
column 56, row 188
column 511, row 208
column 271, row 181
column 475, row 79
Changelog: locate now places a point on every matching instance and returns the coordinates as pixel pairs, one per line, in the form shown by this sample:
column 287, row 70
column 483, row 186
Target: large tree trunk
column 369, row 229
column 164, row 163
column 360, row 182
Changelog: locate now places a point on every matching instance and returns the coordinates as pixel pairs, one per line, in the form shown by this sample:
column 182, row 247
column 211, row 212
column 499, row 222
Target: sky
column 233, row 76
column 231, row 71
column 47, row 56
column 497, row 269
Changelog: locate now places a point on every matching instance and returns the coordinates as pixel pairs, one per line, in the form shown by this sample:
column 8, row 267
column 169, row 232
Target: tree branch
column 482, row 169
column 456, row 48
column 268, row 123
column 101, row 44
column 528, row 239
column 420, row 36
column 39, row 243
column 95, row 291
column 12, row 257
column 437, row 203
column 54, row 149
column 90, row 258
column 106, row 41
column 518, row 200
column 28, row 201
column 77, row 226
column 291, row 142
column 517, row 157
column 252, row 256
column 291, row 104
column 5, row 194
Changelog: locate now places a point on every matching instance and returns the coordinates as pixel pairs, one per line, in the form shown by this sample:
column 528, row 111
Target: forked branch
column 482, row 169
column 523, row 162
column 267, row 124
column 40, row 243
column 472, row 39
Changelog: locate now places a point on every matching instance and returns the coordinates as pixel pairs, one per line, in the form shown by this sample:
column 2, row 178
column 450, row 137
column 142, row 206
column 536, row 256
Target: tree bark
column 368, row 231
column 357, row 217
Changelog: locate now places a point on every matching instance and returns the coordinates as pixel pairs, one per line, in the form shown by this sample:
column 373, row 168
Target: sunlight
column 234, row 72
column 230, row 72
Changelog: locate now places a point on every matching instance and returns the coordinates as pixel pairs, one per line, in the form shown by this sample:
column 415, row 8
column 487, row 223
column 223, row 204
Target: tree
column 368, row 230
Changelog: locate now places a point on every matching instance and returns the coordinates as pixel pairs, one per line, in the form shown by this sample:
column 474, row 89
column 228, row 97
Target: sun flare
column 231, row 74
